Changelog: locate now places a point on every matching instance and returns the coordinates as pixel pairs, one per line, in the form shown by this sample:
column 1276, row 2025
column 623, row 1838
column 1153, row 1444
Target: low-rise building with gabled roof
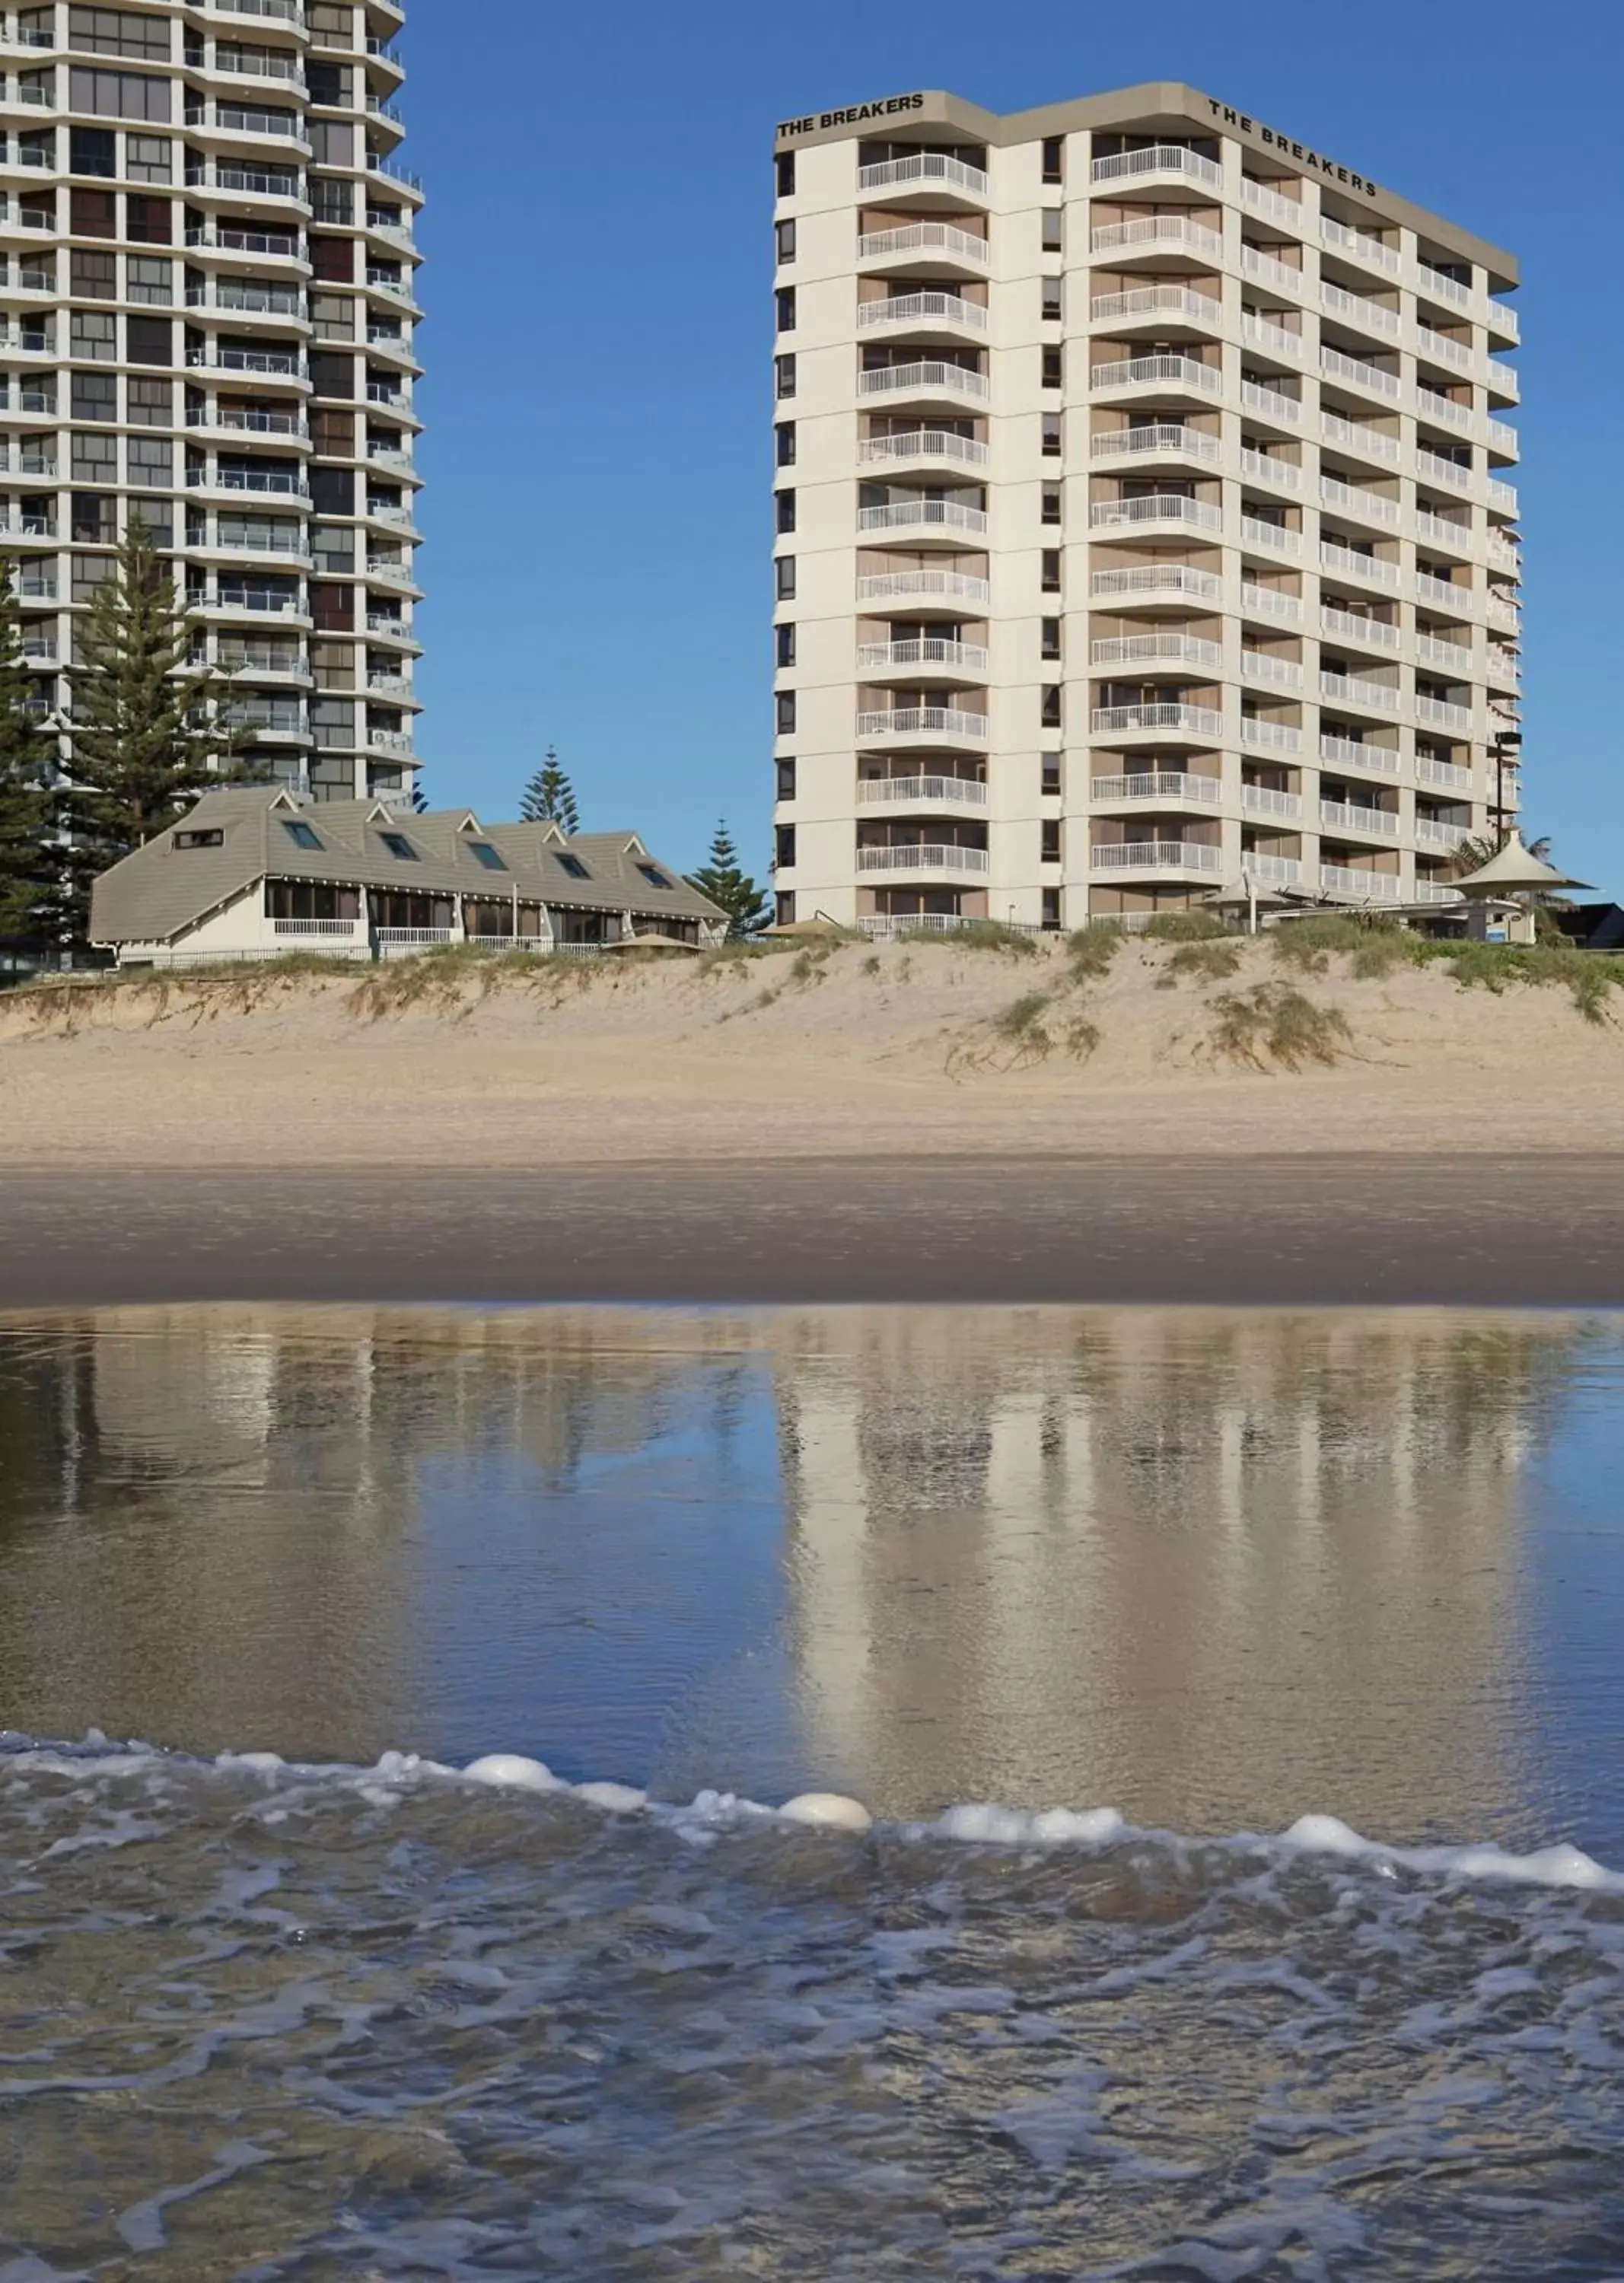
column 253, row 870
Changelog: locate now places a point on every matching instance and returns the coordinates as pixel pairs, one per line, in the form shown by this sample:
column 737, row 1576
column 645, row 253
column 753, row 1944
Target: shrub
column 1590, row 978
column 1183, row 927
column 978, row 935
column 1020, row 1025
column 1208, row 960
column 1275, row 1024
column 1375, row 945
column 1090, row 951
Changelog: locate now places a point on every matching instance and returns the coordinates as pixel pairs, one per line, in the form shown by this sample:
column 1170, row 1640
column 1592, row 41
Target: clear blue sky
column 599, row 334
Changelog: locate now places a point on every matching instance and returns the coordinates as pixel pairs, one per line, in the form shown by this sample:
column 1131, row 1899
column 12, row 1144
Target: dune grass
column 1276, row 1026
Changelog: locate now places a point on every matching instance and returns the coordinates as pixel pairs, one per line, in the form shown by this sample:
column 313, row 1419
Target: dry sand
column 860, row 1054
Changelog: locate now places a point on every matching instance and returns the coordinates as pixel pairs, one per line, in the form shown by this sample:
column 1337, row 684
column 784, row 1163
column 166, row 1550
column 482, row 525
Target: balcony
column 1287, row 211
column 392, row 573
column 1166, row 159
column 1160, row 439
column 1345, row 816
column 1504, row 667
column 250, row 421
column 1268, row 271
column 927, row 652
column 1440, row 714
column 1155, row 305
column 1430, row 833
column 1348, row 563
column 922, row 444
column 1501, row 497
column 1160, row 511
column 1442, row 348
column 1168, row 233
column 1274, row 341
column 939, row 239
column 1269, row 404
column 1357, row 374
column 1434, row 892
column 247, row 300
column 1157, row 582
column 932, row 793
column 1361, row 248
column 1162, row 785
column 922, row 311
column 1270, row 737
column 1354, row 309
column 923, row 721
column 1261, row 665
column 1351, row 881
column 1363, row 696
column 923, row 588
column 275, row 364
column 1265, row 801
column 233, row 180
column 1450, row 655
column 922, row 856
column 1271, row 871
column 1448, row 594
column 1366, row 507
column 1160, row 721
column 921, row 516
column 1349, row 753
column 1155, row 856
column 1270, row 603
column 1273, row 536
column 1358, row 437
column 1453, row 534
column 1444, row 774
column 1163, row 649
column 1348, row 626
column 1259, row 468
column 14, row 525
column 1165, row 372
column 924, row 171
column 929, row 377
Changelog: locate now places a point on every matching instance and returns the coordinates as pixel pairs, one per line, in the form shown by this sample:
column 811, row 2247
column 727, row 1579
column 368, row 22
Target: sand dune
column 913, row 1048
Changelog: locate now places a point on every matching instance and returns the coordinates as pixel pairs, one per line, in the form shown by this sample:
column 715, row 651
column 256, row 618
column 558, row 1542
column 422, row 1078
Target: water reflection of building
column 1204, row 1566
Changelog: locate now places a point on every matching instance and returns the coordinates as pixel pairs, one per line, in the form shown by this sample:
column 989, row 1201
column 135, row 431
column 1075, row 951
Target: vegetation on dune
column 979, row 935
column 1375, row 945
column 1183, row 927
column 1275, row 1027
column 1090, row 951
column 1590, row 978
column 1209, row 961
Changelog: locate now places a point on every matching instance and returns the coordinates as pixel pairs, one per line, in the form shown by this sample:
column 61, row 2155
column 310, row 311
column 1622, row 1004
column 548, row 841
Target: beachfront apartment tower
column 1141, row 520
column 206, row 317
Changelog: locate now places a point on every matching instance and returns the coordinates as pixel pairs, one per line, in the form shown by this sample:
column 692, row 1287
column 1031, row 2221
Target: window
column 95, row 396
column 783, row 376
column 149, row 221
column 332, row 201
column 333, row 259
column 786, row 235
column 149, row 159
column 1051, row 908
column 333, row 143
column 90, row 572
column 1051, row 504
column 92, row 275
column 787, row 780
column 1050, row 713
column 786, row 705
column 1050, row 852
column 151, row 459
column 1049, row 773
column 92, row 333
column 397, row 845
column 1054, row 158
column 94, row 213
column 786, row 173
column 1050, row 637
column 94, row 459
column 484, row 854
column 151, row 402
column 785, row 640
column 117, row 95
column 334, row 316
column 655, row 877
column 1049, row 569
column 785, row 504
column 1054, row 367
column 149, row 277
column 329, row 84
column 93, row 151
column 215, row 839
column 574, row 866
column 115, row 32
column 784, row 440
column 1052, row 435
column 784, row 300
column 784, row 849
column 1052, row 304
column 1053, row 238
column 95, row 520
column 784, row 578
column 148, row 341
column 301, row 835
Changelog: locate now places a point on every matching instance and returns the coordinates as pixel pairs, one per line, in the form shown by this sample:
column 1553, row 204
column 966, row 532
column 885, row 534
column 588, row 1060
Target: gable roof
column 159, row 890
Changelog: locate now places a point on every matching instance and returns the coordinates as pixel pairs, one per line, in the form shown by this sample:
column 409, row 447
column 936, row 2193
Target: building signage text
column 816, row 121
column 1227, row 114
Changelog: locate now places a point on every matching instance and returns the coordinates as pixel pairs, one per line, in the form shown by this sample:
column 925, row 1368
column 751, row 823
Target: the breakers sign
column 817, row 120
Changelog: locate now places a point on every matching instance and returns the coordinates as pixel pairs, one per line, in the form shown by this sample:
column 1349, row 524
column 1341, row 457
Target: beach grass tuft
column 1276, row 1026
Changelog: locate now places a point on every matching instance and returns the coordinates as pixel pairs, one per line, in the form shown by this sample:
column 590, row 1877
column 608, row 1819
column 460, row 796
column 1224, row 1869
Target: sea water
column 398, row 1708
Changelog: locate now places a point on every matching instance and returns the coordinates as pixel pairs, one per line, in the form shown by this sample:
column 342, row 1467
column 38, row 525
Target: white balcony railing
column 922, row 587
column 1349, row 816
column 1349, row 563
column 1355, row 309
column 1432, row 832
column 928, row 650
column 1262, row 468
column 1270, row 403
column 1287, row 211
column 1272, row 871
column 1121, row 720
column 1347, row 690
column 1272, row 535
column 1432, row 404
column 1442, row 348
column 1268, row 271
column 1270, row 737
column 1133, row 649
column 949, row 792
column 1158, row 371
column 928, row 376
column 1262, row 665
column 1448, row 594
column 922, row 308
column 921, row 238
column 1270, row 603
column 1172, row 785
column 1158, row 508
column 1155, row 855
column 1276, row 340
column 1502, row 496
column 1158, row 232
column 1167, row 439
column 922, row 856
column 1364, row 886
column 1369, row 507
column 924, row 444
column 924, row 167
column 1159, row 579
column 922, row 515
column 1503, row 439
column 1156, row 301
column 1351, row 753
column 1158, row 158
column 1450, row 655
column 1359, row 437
column 1267, row 800
column 1349, row 626
column 1443, row 773
column 1337, row 366
column 1451, row 532
column 922, row 721
column 1433, row 468
column 1361, row 247
column 346, row 930
column 1442, row 714
column 1435, row 892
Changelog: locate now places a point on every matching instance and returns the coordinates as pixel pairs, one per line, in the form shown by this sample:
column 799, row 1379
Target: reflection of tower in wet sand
column 1194, row 1563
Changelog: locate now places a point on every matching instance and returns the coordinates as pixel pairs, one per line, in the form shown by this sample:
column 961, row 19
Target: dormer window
column 655, row 877
column 484, row 854
column 215, row 839
column 397, row 845
column 574, row 866
column 301, row 835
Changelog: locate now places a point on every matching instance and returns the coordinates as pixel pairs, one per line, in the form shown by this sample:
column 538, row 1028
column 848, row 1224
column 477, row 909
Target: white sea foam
column 711, row 1814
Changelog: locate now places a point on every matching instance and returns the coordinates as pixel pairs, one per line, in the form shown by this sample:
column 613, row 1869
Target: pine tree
column 549, row 798
column 148, row 735
column 27, row 868
column 725, row 883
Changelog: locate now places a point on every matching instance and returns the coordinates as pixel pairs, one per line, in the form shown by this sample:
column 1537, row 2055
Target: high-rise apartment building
column 1140, row 513
column 207, row 263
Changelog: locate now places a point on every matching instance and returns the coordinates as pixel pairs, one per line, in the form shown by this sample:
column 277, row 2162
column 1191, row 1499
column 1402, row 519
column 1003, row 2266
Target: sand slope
column 894, row 1050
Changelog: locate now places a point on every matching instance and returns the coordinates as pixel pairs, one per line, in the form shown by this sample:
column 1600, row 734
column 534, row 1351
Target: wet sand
column 1528, row 1231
